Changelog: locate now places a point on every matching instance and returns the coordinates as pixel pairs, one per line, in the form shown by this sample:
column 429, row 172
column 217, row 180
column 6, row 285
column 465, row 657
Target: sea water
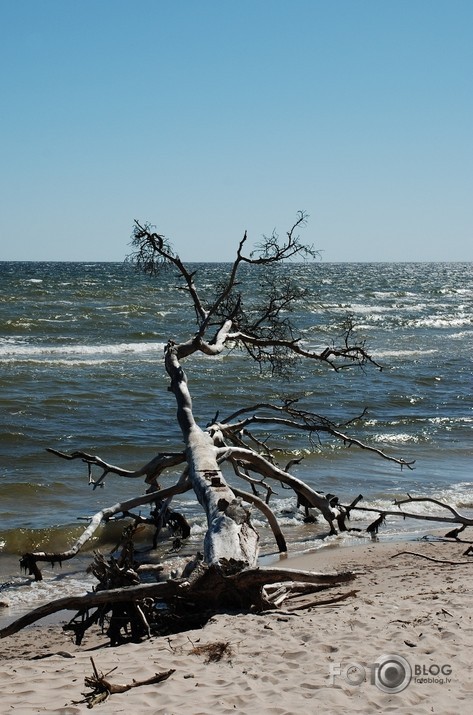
column 81, row 355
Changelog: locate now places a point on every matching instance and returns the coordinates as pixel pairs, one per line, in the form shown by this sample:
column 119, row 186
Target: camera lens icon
column 392, row 673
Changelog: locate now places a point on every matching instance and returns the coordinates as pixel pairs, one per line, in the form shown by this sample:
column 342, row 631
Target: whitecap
column 29, row 351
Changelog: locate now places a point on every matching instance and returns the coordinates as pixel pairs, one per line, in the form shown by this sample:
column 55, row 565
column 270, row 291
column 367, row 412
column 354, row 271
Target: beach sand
column 315, row 659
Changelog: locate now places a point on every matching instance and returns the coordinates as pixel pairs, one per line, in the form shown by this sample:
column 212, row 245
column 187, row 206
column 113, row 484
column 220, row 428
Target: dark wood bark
column 209, row 588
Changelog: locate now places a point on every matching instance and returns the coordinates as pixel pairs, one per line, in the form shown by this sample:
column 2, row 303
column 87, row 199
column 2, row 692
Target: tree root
column 184, row 603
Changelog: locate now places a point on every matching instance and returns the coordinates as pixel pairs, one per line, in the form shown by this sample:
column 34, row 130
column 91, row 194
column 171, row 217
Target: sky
column 207, row 118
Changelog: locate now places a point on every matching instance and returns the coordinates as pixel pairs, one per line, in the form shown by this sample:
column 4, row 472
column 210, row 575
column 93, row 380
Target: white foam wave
column 399, row 438
column 401, row 353
column 393, row 294
column 461, row 335
column 364, row 309
column 25, row 594
column 57, row 319
column 10, row 350
column 450, row 420
column 441, row 322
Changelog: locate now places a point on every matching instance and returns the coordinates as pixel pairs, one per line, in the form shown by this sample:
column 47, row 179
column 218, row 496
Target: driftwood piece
column 101, row 688
column 227, row 578
column 293, row 593
column 456, row 516
column 90, row 600
column 324, row 602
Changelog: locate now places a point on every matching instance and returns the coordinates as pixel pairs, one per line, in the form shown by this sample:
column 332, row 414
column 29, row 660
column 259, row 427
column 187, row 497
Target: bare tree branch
column 450, row 508
column 153, row 252
column 269, row 514
column 263, row 466
column 272, row 250
column 264, row 331
column 162, row 461
column 29, row 561
column 300, row 420
column 456, row 517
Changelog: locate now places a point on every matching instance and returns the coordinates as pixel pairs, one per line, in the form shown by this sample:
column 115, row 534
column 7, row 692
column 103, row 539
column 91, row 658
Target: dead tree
column 267, row 335
column 262, row 328
column 230, row 320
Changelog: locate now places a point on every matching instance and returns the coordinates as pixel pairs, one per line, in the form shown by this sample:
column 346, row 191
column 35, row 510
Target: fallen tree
column 227, row 567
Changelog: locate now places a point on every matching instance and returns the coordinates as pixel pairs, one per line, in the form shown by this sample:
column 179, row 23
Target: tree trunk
column 230, row 534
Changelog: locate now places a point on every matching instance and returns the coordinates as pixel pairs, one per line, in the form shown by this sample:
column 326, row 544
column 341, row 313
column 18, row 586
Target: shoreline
column 281, row 662
column 325, row 554
column 75, row 568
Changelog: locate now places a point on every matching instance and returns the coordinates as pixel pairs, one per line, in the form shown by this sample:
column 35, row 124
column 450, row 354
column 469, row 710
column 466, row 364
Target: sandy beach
column 401, row 644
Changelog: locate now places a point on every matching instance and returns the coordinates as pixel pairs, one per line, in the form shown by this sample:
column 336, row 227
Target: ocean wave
column 459, row 496
column 21, row 350
column 393, row 294
column 30, row 490
column 448, row 321
column 22, row 593
column 53, row 539
column 396, row 438
column 460, row 336
column 449, row 420
column 403, row 353
column 364, row 308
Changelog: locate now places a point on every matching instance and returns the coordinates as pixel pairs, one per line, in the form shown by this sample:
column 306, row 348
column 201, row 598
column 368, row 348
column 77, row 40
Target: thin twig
column 431, row 558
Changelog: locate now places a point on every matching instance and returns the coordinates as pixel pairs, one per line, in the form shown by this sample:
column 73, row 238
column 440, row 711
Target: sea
column 81, row 356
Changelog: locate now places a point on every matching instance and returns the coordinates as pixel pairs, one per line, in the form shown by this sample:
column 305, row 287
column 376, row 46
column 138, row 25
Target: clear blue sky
column 209, row 117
